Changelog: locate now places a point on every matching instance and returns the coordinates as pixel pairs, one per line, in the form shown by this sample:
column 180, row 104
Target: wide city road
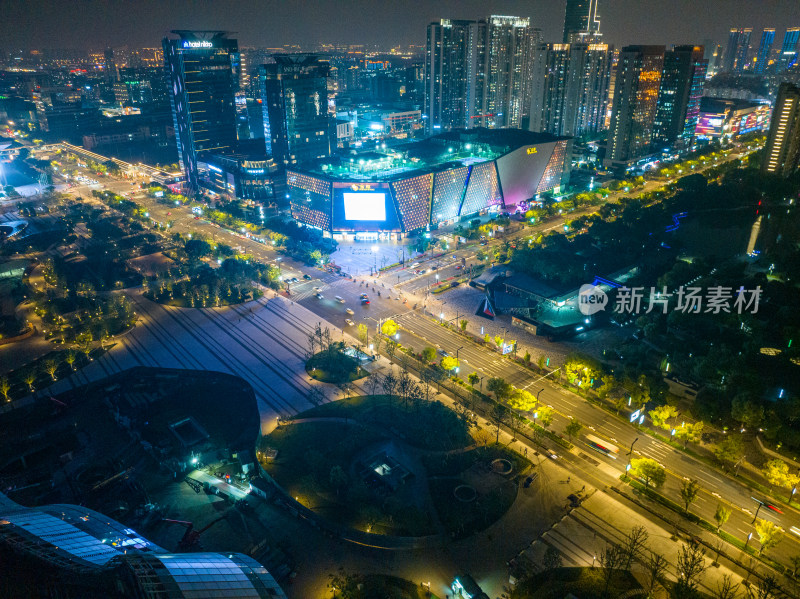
column 420, row 330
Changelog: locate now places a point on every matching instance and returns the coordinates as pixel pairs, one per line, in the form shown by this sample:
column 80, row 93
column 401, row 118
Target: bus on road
column 601, row 446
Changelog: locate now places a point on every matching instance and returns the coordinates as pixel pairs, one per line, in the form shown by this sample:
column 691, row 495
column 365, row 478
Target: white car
column 349, row 322
column 350, row 311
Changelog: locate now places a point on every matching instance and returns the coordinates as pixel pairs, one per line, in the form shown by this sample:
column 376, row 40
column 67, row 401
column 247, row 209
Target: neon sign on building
column 200, row 44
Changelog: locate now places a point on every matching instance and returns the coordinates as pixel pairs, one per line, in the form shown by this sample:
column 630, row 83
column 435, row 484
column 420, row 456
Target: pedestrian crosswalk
column 301, row 291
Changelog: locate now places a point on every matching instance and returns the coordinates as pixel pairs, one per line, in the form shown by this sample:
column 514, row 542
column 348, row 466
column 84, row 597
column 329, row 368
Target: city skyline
column 37, row 24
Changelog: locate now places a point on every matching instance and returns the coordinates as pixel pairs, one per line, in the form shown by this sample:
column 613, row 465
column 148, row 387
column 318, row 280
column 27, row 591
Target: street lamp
column 758, row 509
column 628, row 467
column 458, row 350
column 539, row 393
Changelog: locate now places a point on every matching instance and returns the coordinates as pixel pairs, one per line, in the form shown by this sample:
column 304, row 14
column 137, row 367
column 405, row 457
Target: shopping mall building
column 387, row 193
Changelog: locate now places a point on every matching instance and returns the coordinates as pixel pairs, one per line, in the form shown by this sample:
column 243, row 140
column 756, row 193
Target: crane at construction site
column 192, row 536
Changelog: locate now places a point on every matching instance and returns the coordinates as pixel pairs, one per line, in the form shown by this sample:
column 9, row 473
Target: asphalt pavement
column 715, row 486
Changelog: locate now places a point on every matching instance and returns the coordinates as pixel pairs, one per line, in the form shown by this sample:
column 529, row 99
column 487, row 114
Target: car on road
column 339, row 299
column 350, row 311
column 364, row 301
column 362, row 295
column 459, row 267
column 530, row 479
column 443, row 353
column 307, row 277
column 349, row 322
column 320, row 296
column 415, row 265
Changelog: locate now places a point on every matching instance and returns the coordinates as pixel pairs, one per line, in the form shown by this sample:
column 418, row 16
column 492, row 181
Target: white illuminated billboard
column 369, row 206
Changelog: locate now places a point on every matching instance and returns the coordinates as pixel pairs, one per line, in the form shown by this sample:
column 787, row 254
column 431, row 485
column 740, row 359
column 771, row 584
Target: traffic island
column 338, row 364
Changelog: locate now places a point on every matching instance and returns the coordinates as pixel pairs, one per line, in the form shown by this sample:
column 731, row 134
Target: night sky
column 94, row 24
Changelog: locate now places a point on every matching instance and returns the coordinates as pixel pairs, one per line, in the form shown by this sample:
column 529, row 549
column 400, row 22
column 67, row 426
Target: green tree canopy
column 777, row 473
column 449, row 363
column 522, row 400
column 389, row 328
column 661, row 414
column 769, row 534
column 573, row 428
column 500, row 388
column 649, row 471
column 429, row 354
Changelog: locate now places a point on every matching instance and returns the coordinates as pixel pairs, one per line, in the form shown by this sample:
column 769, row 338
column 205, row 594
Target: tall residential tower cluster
column 476, row 72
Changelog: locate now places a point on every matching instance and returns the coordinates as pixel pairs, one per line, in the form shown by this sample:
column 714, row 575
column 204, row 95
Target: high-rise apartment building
column 581, row 23
column 764, row 51
column 109, row 66
column 476, row 73
column 782, row 150
column 612, row 79
column 294, row 96
column 202, row 77
column 636, row 88
column 788, row 55
column 509, row 50
column 737, row 51
column 569, row 94
column 548, row 113
column 455, row 68
column 714, row 57
column 682, row 81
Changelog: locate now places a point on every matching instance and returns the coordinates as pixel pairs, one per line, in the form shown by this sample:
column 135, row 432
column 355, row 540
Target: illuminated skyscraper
column 679, row 96
column 476, row 73
column 294, row 95
column 570, row 88
column 581, row 22
column 455, row 69
column 788, row 55
column 109, row 66
column 509, row 50
column 202, row 74
column 782, row 150
column 714, row 59
column 636, row 90
column 764, row 50
column 735, row 58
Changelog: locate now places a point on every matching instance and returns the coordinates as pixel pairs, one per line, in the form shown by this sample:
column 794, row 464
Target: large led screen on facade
column 364, row 205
